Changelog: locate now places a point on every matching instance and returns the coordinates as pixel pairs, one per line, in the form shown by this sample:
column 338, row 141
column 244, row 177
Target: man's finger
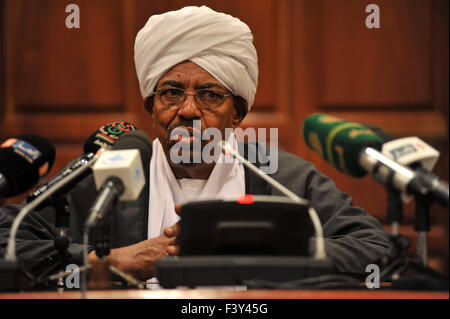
column 172, row 231
column 173, row 250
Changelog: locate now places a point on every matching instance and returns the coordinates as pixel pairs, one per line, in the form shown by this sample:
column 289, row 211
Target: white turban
column 217, row 42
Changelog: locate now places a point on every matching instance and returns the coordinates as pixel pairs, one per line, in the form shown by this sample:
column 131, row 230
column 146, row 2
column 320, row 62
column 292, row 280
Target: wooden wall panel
column 389, row 67
column 60, row 80
column 66, row 70
column 2, row 59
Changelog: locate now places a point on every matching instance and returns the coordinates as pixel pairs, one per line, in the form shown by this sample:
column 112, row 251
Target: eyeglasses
column 207, row 98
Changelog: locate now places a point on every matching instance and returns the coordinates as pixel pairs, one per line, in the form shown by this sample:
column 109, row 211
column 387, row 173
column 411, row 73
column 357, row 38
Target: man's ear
column 240, row 106
column 237, row 119
column 148, row 104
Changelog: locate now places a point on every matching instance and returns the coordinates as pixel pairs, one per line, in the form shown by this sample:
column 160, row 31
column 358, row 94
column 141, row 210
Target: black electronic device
column 235, row 242
column 217, row 270
column 250, row 225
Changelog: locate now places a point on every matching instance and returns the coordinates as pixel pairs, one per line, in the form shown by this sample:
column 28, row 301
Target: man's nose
column 189, row 108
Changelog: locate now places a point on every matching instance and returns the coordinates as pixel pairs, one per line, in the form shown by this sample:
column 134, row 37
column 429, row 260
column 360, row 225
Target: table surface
column 230, row 294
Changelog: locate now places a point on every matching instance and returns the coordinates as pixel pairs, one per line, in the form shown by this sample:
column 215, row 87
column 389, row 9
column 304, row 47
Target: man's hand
column 139, row 259
column 172, row 232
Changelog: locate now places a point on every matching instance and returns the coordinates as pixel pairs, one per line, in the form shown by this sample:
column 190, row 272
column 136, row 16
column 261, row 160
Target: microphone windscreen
column 339, row 142
column 24, row 160
column 384, row 135
column 137, row 140
column 107, row 135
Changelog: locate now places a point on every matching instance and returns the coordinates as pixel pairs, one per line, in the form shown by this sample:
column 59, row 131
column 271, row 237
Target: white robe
column 227, row 181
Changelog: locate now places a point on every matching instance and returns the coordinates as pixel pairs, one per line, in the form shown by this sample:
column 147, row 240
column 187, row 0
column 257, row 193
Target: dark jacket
column 354, row 239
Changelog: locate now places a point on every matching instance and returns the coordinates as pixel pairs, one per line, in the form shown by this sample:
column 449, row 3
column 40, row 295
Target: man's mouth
column 185, row 134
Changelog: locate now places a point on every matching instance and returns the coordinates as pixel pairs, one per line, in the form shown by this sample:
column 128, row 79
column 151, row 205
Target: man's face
column 190, row 77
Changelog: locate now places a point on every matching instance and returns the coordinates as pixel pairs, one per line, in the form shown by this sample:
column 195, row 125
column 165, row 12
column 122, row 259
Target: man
column 195, row 64
column 178, row 54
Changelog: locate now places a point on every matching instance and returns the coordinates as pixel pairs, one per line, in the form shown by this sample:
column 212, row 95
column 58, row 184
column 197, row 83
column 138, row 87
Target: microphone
column 355, row 150
column 60, row 185
column 411, row 151
column 24, row 160
column 102, row 139
column 418, row 156
column 384, row 135
column 227, row 149
column 421, row 158
column 337, row 141
column 106, row 136
column 108, row 173
column 119, row 174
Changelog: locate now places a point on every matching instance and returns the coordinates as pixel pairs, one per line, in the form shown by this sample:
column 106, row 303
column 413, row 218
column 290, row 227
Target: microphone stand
column 102, row 238
column 99, row 277
column 100, row 274
column 62, row 224
column 422, row 226
column 53, row 262
column 394, row 209
column 421, row 276
column 56, row 261
column 395, row 260
column 62, row 218
column 38, row 276
column 403, row 272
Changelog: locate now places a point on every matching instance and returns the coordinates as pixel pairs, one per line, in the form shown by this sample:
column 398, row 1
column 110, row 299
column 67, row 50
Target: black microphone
column 120, row 174
column 106, row 136
column 102, row 139
column 24, row 160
